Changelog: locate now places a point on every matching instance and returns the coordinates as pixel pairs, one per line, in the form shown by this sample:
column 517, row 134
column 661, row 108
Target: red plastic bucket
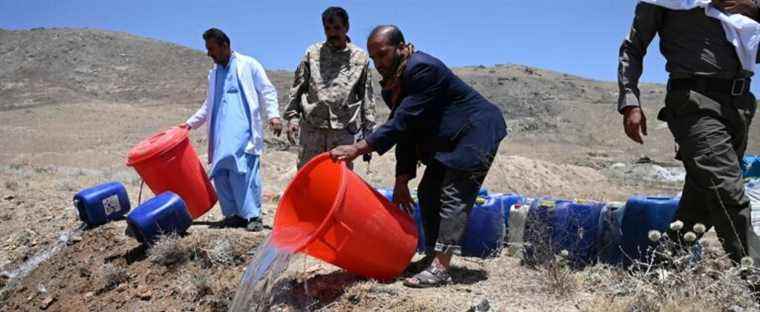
column 167, row 162
column 330, row 213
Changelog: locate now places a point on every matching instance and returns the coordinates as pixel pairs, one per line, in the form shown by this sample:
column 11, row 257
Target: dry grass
column 216, row 304
column 673, row 280
column 223, row 253
column 113, row 276
column 196, row 286
column 168, row 251
column 559, row 278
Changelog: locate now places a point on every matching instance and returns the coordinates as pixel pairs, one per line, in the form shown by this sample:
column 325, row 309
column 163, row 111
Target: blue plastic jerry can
column 102, row 204
column 422, row 240
column 421, row 248
column 576, row 230
column 610, row 240
column 162, row 215
column 386, row 192
column 484, row 236
column 643, row 214
column 539, row 229
column 751, row 166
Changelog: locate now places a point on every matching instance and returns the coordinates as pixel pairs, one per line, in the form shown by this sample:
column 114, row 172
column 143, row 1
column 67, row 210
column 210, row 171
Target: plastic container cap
column 156, row 145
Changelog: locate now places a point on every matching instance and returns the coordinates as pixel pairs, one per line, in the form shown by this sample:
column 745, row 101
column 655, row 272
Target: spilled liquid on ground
column 264, row 274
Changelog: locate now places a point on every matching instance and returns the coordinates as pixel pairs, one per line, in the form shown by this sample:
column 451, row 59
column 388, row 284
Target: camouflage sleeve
column 368, row 102
column 300, row 84
column 646, row 23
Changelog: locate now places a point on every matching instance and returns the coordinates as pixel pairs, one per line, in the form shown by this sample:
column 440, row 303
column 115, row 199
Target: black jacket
column 440, row 117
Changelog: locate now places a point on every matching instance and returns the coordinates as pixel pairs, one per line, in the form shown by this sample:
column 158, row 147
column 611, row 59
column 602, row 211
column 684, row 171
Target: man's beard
column 333, row 39
column 391, row 72
column 221, row 60
column 386, row 75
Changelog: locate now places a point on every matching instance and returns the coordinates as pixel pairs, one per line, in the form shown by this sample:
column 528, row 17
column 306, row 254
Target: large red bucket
column 167, row 162
column 331, row 214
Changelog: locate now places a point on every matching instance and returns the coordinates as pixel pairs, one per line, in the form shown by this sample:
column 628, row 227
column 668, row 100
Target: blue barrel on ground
column 102, row 204
column 539, row 229
column 421, row 248
column 162, row 215
column 484, row 236
column 576, row 229
column 485, row 232
column 751, row 166
column 610, row 240
column 388, row 194
column 643, row 214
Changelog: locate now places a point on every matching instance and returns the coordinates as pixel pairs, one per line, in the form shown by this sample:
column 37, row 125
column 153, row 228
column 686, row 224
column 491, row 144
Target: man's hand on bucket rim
column 185, row 125
column 348, row 153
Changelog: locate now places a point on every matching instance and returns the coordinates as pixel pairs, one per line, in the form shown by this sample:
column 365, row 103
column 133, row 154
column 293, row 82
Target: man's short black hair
column 335, row 13
column 393, row 34
column 218, row 35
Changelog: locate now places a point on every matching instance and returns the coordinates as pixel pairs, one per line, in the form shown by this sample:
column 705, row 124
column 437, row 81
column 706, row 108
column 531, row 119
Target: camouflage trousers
column 315, row 141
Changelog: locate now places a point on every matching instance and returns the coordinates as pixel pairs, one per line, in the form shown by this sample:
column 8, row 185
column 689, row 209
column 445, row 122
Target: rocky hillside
column 60, row 66
column 51, row 66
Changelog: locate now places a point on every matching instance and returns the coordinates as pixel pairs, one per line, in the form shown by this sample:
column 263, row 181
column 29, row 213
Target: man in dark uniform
column 442, row 122
column 708, row 109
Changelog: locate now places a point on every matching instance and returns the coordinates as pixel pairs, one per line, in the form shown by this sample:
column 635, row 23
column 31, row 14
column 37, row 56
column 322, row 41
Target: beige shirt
column 332, row 89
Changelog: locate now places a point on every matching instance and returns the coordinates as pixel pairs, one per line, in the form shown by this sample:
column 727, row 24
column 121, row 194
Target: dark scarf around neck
column 393, row 84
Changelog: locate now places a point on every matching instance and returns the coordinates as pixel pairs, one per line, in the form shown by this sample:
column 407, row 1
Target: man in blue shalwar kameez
column 240, row 97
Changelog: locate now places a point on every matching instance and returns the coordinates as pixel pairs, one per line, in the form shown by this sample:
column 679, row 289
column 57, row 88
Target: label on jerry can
column 548, row 204
column 111, row 204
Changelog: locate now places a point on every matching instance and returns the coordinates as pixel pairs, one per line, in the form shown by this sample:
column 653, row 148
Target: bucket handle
column 168, row 157
column 139, row 195
column 343, row 242
column 156, row 137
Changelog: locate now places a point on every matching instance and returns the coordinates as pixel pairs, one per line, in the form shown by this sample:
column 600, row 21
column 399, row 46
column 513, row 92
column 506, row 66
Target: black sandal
column 419, row 265
column 254, row 225
column 431, row 277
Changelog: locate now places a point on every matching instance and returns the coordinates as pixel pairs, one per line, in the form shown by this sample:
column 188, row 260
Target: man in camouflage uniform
column 708, row 108
column 331, row 99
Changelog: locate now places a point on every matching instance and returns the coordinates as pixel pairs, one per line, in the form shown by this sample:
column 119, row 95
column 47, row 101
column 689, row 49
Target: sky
column 576, row 37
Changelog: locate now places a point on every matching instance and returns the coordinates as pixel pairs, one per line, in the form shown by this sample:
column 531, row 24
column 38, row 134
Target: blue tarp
column 753, row 192
column 751, row 166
